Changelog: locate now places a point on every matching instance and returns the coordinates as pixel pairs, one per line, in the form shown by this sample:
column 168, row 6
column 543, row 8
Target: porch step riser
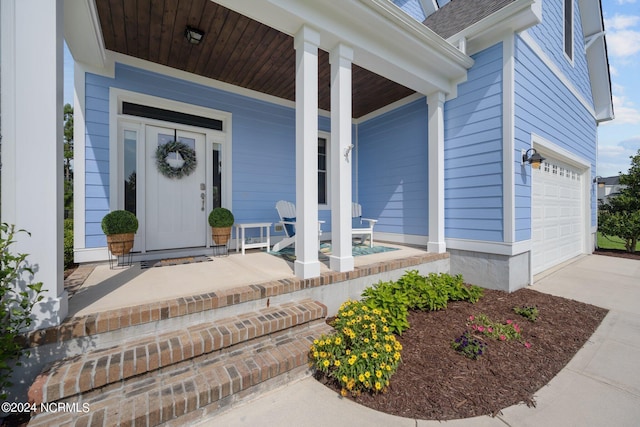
column 189, row 391
column 67, row 377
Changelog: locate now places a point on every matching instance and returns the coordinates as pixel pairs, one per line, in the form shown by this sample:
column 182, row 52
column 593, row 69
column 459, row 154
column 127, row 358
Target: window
column 568, row 28
column 322, row 171
column 130, row 159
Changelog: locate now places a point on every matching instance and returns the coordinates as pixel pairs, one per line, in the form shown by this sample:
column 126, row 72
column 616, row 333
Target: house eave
column 385, row 40
column 83, row 34
column 516, row 17
column 595, row 45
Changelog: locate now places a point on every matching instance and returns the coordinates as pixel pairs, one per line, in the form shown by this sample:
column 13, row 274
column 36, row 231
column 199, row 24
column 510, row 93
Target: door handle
column 202, row 197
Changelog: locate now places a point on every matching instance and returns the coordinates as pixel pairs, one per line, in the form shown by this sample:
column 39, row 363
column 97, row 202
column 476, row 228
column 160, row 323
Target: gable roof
column 457, row 15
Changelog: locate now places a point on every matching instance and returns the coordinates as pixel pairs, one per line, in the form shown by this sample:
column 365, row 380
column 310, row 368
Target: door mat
column 289, row 253
column 173, row 261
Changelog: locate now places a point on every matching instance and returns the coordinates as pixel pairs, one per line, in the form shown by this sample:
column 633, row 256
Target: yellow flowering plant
column 362, row 354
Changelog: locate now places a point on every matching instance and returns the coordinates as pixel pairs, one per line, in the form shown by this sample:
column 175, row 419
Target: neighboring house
column 420, row 112
column 608, row 187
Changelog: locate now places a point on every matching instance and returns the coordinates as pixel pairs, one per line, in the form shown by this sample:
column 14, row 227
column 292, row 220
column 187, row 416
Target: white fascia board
column 497, row 248
column 513, row 18
column 83, row 33
column 385, row 39
column 597, row 62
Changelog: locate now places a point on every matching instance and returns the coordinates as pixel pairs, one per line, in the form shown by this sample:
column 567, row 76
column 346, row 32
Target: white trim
column 195, row 78
column 388, row 108
column 508, row 132
column 118, row 122
column 498, row 248
column 515, row 17
column 79, row 152
column 526, row 37
column 559, row 152
column 435, row 145
column 409, row 239
column 545, row 146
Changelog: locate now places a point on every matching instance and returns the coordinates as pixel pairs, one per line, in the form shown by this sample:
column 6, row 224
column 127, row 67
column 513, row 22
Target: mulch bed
column 434, row 382
column 617, row 253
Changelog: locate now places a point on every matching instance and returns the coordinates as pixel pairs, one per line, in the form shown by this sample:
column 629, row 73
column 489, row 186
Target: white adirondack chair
column 365, row 229
column 287, row 213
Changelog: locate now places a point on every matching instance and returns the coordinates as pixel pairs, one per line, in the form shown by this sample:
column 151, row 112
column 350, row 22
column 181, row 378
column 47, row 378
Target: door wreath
column 185, row 155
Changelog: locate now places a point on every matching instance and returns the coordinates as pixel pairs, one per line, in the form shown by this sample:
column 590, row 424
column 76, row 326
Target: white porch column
column 32, row 68
column 341, row 258
column 435, row 104
column 306, row 44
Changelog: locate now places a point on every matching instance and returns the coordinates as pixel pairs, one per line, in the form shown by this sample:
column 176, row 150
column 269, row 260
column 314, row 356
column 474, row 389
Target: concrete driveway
column 599, row 387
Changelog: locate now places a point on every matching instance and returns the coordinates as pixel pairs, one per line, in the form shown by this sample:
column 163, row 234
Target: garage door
column 557, row 214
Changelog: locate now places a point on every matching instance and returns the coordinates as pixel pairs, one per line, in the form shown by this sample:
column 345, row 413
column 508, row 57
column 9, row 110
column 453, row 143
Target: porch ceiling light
column 193, row 35
column 534, row 159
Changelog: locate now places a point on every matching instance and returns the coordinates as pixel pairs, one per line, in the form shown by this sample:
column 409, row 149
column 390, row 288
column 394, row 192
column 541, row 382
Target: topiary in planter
column 120, row 226
column 221, row 220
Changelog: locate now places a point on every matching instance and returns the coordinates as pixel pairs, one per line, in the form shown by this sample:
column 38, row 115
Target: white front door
column 175, row 208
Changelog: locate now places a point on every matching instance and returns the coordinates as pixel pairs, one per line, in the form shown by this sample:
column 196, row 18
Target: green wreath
column 187, row 153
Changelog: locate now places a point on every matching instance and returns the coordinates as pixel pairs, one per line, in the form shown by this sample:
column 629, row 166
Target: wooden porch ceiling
column 235, row 49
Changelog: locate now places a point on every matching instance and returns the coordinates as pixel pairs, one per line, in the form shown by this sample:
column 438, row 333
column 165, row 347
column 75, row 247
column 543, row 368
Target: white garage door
column 557, row 214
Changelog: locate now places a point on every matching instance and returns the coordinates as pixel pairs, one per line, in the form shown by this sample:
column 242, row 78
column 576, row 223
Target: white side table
column 240, row 235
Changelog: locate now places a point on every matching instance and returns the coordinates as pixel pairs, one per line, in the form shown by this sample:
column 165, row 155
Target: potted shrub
column 120, row 227
column 221, row 221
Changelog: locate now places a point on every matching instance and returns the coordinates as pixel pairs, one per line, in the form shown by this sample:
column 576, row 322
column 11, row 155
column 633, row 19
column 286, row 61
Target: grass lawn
column 612, row 243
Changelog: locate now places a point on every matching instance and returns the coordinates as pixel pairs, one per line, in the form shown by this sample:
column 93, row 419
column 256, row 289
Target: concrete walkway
column 599, row 387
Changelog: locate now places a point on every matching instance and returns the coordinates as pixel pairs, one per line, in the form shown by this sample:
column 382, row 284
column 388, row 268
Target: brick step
column 186, row 392
column 72, row 376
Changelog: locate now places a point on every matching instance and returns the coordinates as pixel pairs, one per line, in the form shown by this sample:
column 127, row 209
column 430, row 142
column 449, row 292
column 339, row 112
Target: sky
column 620, row 138
column 617, row 139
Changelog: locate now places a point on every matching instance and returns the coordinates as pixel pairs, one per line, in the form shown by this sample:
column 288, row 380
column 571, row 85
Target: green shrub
column 529, row 312
column 390, row 298
column 15, row 304
column 68, row 243
column 362, row 354
column 221, row 217
column 119, row 222
column 414, row 291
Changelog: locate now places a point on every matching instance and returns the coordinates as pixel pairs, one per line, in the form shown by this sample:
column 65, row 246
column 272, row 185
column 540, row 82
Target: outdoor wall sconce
column 347, row 151
column 535, row 159
column 193, row 35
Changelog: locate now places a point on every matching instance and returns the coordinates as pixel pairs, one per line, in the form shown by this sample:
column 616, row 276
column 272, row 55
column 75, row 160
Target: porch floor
column 106, row 289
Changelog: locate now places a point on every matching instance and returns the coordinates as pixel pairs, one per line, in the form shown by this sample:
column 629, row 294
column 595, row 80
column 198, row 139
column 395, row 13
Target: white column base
column 437, row 247
column 50, row 311
column 341, row 264
column 306, row 270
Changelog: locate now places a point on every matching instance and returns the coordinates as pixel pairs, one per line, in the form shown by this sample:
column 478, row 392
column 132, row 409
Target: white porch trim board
column 435, row 104
column 340, row 58
column 306, row 42
column 508, row 144
column 32, row 144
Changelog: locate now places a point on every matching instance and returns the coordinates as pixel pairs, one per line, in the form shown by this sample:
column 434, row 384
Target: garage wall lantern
column 534, row 159
column 193, row 35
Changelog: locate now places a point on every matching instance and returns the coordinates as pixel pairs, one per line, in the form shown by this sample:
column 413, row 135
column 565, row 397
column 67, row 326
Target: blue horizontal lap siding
column 96, row 158
column 549, row 35
column 393, row 169
column 473, row 153
column 412, row 7
column 545, row 106
column 263, row 144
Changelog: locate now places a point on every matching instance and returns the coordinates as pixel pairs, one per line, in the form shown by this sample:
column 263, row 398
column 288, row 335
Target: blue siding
column 550, row 37
column 412, row 7
column 263, row 144
column 392, row 169
column 545, row 106
column 473, row 152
